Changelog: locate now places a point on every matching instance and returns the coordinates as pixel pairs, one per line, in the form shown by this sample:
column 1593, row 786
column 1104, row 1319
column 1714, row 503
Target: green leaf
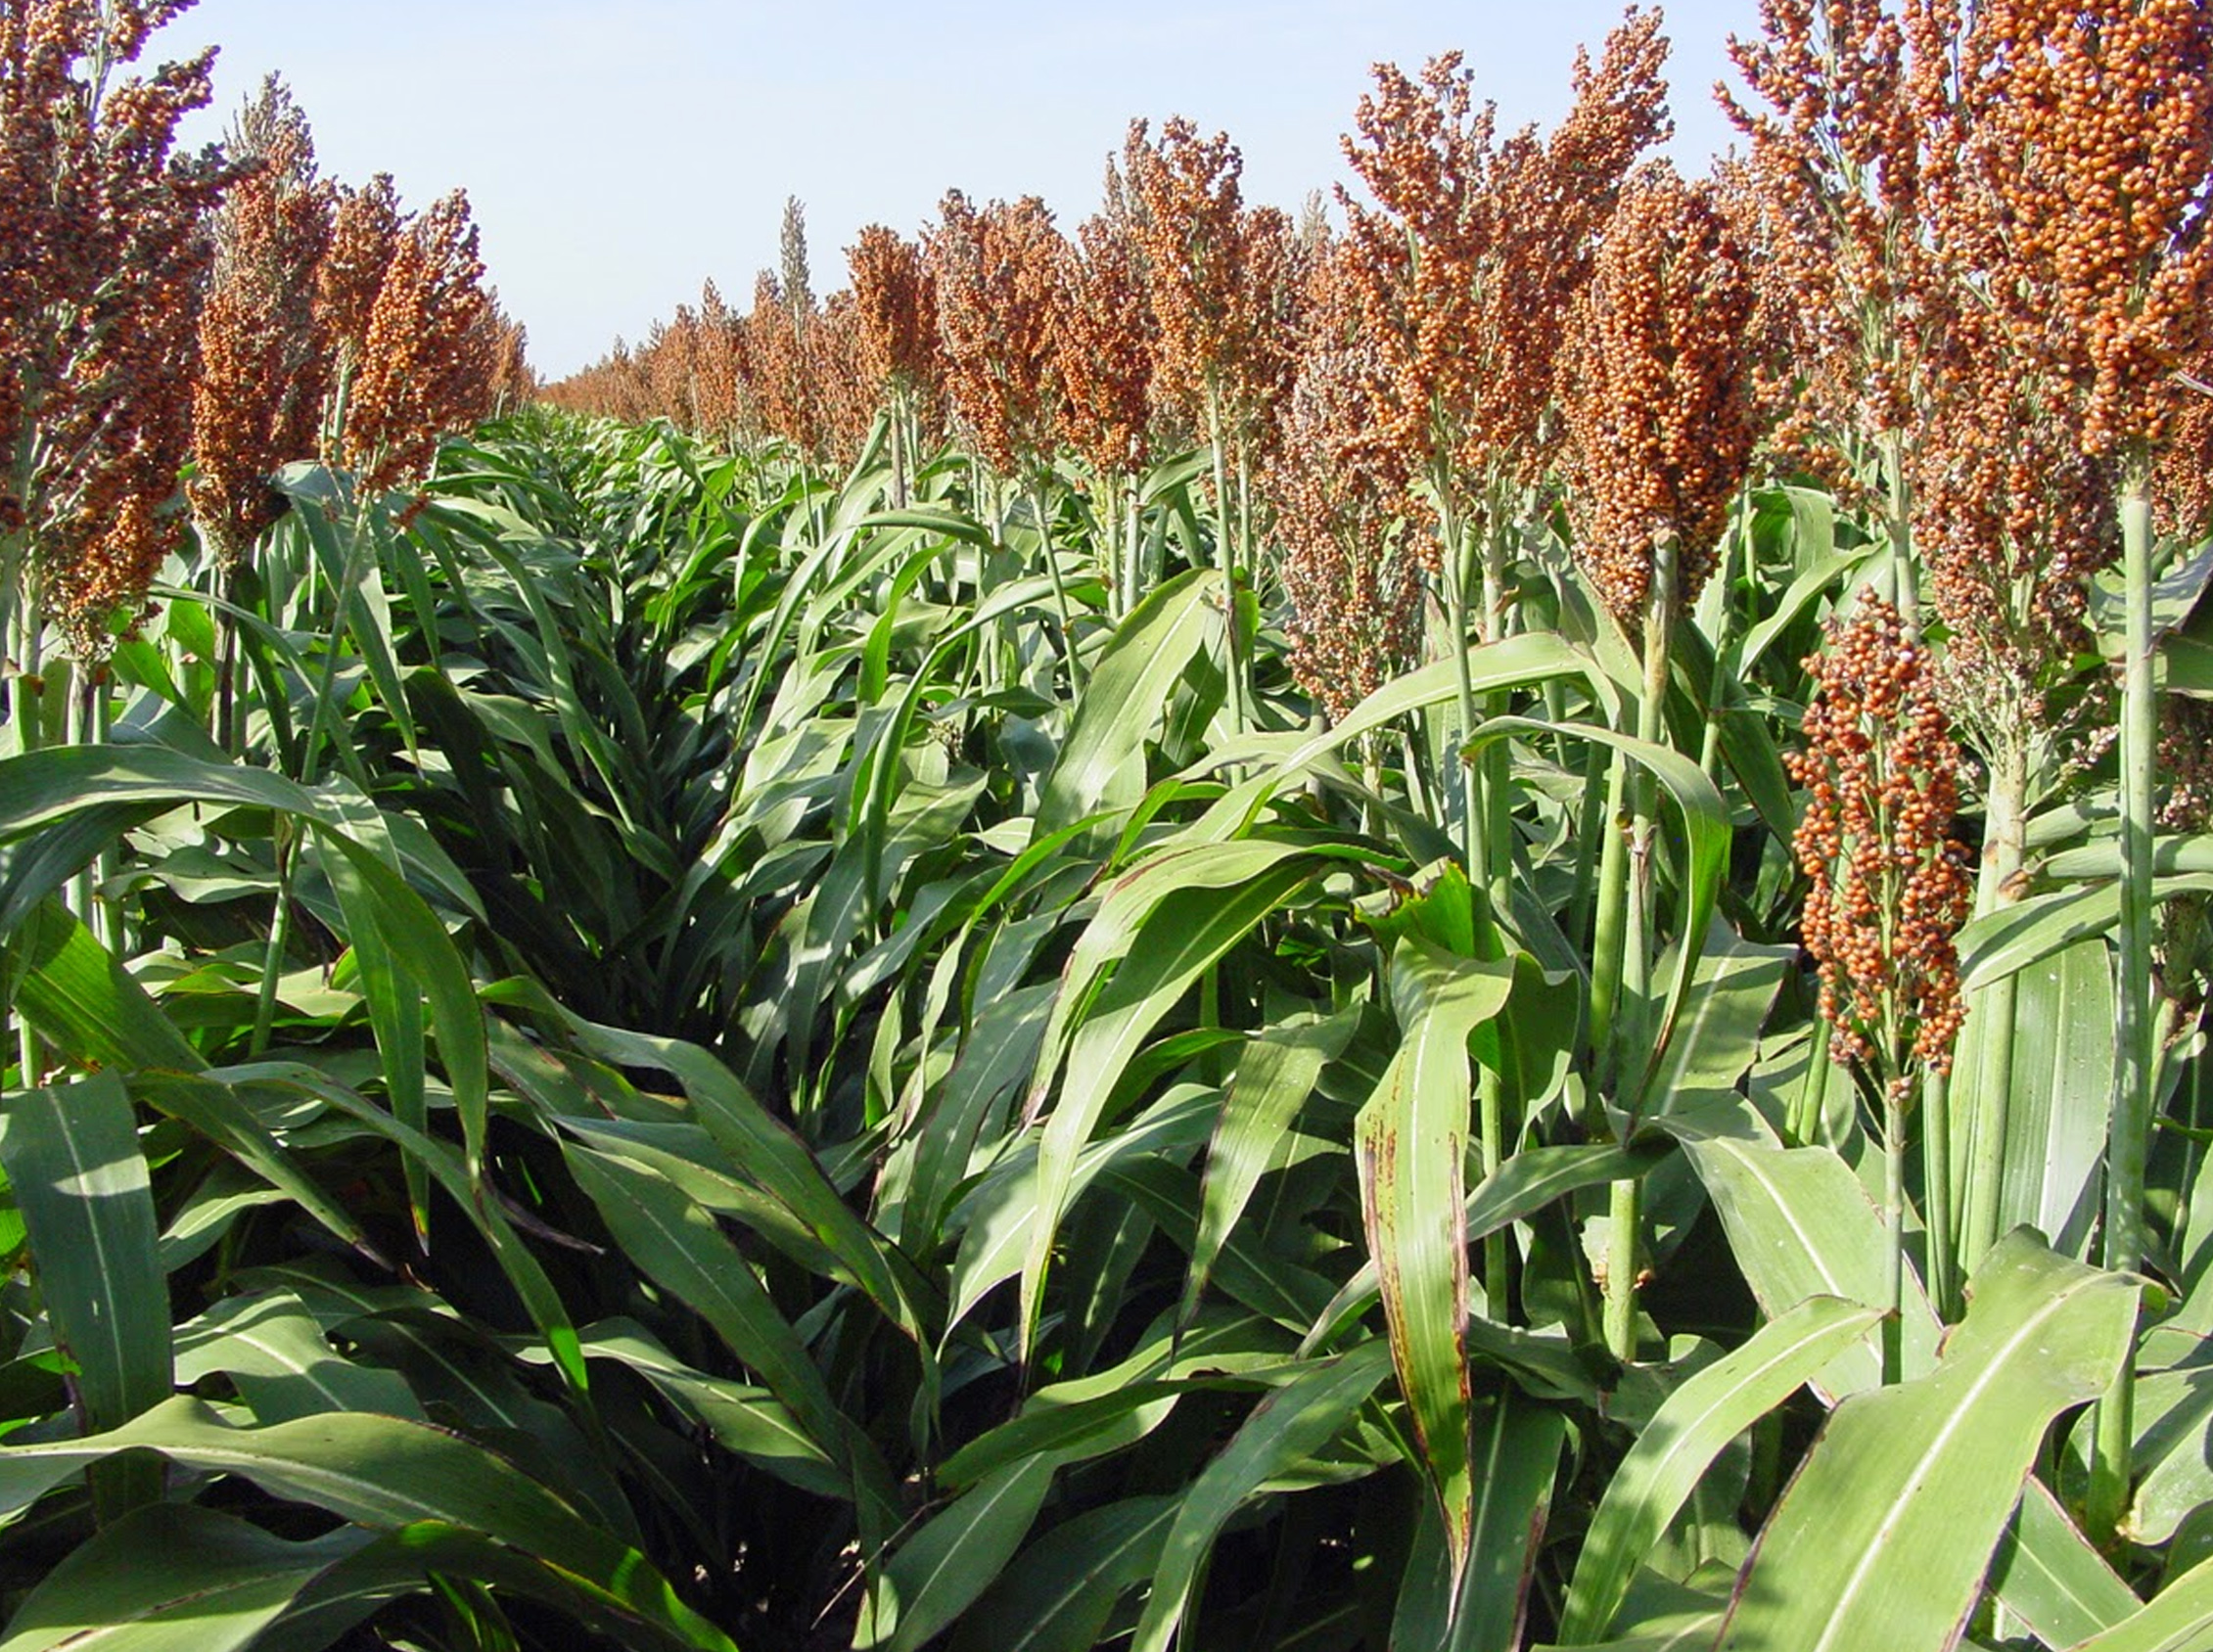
column 285, row 1368
column 1801, row 1225
column 1274, row 1077
column 79, row 1176
column 939, row 1572
column 1518, row 1189
column 172, row 1578
column 86, row 1004
column 1411, row 1138
column 1288, row 1427
column 384, row 1473
column 1999, row 942
column 1060, row 1594
column 1121, row 704
column 2048, row 1574
column 1706, row 843
column 1160, row 927
column 676, row 1243
column 1682, row 1441
column 2178, row 1619
column 1516, row 1453
column 1883, row 1537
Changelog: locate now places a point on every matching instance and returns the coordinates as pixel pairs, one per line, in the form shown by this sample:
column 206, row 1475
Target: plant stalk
column 2136, row 1041
column 1626, row 1214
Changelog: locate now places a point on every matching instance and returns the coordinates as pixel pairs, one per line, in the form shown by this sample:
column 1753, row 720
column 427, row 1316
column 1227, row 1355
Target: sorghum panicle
column 263, row 374
column 776, row 343
column 1888, row 884
column 1108, row 337
column 1223, row 279
column 424, row 370
column 894, row 312
column 1475, row 245
column 1340, row 507
column 1655, row 390
column 104, row 258
column 998, row 279
column 366, row 230
column 2069, row 147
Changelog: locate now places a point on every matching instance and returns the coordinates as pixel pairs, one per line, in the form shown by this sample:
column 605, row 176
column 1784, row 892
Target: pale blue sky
column 618, row 154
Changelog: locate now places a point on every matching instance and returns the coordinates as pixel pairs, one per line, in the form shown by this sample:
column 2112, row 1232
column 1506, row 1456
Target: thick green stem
column 1893, row 1219
column 1626, row 1214
column 2005, row 849
column 2129, row 1134
column 1464, row 684
column 1226, row 557
column 1609, row 925
column 1060, row 589
column 26, row 715
column 1936, row 1179
column 1134, row 536
column 1804, row 1126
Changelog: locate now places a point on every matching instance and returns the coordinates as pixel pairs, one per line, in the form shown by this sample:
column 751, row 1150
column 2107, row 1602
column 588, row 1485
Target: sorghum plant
column 1221, row 281
column 366, row 230
column 262, row 369
column 1655, row 390
column 1469, row 258
column 424, row 369
column 995, row 270
column 104, row 258
column 724, row 371
column 1107, row 346
column 2078, row 142
column 1355, row 582
column 997, row 275
column 1887, row 888
column 895, row 334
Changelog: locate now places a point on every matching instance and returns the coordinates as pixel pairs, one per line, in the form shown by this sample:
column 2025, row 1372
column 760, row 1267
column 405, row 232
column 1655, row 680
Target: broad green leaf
column 216, row 1113
column 1166, row 923
column 674, row 1242
column 1516, row 1453
column 1412, row 1138
column 1883, row 1537
column 86, row 1004
column 746, row 1420
column 1065, row 1430
column 1002, row 1212
column 271, row 1346
column 939, row 1572
column 1801, row 1225
column 1680, row 1444
column 172, row 1578
column 1518, row 1189
column 765, row 1151
column 2062, row 1095
column 1123, row 702
column 2046, row 1574
column 79, row 1174
column 1060, row 1593
column 2178, row 1619
column 379, row 1472
column 1276, row 1075
column 1999, row 942
column 1707, row 835
column 1284, row 1429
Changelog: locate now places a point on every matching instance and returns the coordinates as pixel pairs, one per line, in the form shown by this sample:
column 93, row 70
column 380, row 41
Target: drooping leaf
column 1884, row 1536
column 1682, row 1441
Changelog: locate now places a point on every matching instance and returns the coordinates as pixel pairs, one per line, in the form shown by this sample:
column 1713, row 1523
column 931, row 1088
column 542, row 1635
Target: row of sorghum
column 104, row 257
column 156, row 308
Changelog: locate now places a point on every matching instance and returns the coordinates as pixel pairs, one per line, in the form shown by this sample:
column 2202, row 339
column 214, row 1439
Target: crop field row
column 1478, row 920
